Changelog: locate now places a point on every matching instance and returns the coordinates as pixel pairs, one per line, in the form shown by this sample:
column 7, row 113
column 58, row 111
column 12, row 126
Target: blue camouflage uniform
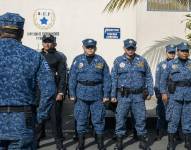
column 21, row 69
column 89, row 83
column 160, row 109
column 179, row 104
column 134, row 76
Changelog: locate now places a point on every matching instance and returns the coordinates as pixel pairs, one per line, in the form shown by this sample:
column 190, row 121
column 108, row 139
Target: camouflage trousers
column 81, row 114
column 177, row 111
column 139, row 112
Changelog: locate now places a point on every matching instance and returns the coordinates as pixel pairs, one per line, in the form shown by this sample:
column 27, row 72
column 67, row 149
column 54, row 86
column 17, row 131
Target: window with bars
column 168, row 5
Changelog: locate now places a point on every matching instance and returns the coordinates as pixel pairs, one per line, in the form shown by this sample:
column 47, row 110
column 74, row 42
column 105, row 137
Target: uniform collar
column 53, row 50
column 125, row 57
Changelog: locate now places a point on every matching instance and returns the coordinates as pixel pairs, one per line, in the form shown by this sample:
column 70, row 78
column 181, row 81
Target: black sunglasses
column 171, row 52
column 90, row 47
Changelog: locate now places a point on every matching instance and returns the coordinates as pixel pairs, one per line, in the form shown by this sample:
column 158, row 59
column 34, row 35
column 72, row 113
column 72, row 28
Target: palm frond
column 156, row 53
column 119, row 4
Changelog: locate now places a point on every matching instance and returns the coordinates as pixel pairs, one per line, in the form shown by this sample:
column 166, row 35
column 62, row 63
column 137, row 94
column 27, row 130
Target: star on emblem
column 44, row 21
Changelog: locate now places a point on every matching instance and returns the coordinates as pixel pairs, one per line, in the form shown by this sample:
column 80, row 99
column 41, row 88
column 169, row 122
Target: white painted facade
column 76, row 20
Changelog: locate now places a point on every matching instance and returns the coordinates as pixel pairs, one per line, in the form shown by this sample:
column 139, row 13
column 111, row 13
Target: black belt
column 183, row 83
column 131, row 91
column 90, row 83
column 17, row 109
column 126, row 91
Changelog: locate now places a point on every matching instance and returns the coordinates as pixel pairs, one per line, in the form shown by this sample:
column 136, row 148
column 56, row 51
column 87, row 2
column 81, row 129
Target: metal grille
column 168, row 5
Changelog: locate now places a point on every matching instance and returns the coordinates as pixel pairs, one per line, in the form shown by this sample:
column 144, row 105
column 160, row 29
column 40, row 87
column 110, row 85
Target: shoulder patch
column 81, row 65
column 46, row 65
column 122, row 65
column 164, row 66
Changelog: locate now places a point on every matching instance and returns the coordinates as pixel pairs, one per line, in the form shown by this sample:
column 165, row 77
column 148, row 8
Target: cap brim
column 90, row 45
column 170, row 51
column 130, row 46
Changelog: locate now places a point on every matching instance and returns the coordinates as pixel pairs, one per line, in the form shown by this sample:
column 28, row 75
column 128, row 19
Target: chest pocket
column 175, row 72
column 140, row 71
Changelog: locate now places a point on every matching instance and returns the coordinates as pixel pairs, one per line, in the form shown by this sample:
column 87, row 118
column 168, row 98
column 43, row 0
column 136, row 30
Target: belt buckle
column 8, row 109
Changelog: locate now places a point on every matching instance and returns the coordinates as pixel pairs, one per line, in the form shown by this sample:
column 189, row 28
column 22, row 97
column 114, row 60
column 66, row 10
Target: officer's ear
column 20, row 34
column 55, row 44
column 83, row 47
column 95, row 49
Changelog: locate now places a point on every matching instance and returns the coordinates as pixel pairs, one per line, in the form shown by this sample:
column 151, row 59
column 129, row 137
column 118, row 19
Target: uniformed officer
column 130, row 76
column 21, row 68
column 58, row 66
column 179, row 103
column 160, row 109
column 89, row 86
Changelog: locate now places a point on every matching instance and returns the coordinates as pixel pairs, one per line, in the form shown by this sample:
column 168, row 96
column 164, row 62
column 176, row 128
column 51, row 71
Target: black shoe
column 143, row 142
column 171, row 142
column 119, row 144
column 80, row 142
column 60, row 146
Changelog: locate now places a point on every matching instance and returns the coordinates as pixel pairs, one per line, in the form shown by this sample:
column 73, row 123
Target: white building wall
column 153, row 26
column 76, row 20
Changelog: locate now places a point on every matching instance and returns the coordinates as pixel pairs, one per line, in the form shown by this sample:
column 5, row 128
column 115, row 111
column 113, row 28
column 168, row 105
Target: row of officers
column 26, row 74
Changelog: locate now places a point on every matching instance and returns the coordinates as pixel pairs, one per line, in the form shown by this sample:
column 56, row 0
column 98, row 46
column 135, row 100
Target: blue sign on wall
column 112, row 33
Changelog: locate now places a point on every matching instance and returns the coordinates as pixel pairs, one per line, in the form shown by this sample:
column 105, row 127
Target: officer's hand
column 149, row 97
column 105, row 100
column 72, row 98
column 165, row 98
column 59, row 97
column 113, row 100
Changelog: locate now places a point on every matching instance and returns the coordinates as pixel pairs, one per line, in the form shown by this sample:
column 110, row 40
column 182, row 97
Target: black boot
column 177, row 136
column 143, row 142
column 80, row 142
column 160, row 134
column 75, row 137
column 100, row 141
column 171, row 142
column 135, row 137
column 119, row 144
column 60, row 145
column 188, row 141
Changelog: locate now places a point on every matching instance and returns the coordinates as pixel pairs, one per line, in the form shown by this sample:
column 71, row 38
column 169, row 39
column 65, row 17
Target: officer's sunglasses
column 90, row 47
column 171, row 52
column 184, row 51
column 130, row 49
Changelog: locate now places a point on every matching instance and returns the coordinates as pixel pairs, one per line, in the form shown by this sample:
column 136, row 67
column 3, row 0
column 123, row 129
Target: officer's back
column 21, row 68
